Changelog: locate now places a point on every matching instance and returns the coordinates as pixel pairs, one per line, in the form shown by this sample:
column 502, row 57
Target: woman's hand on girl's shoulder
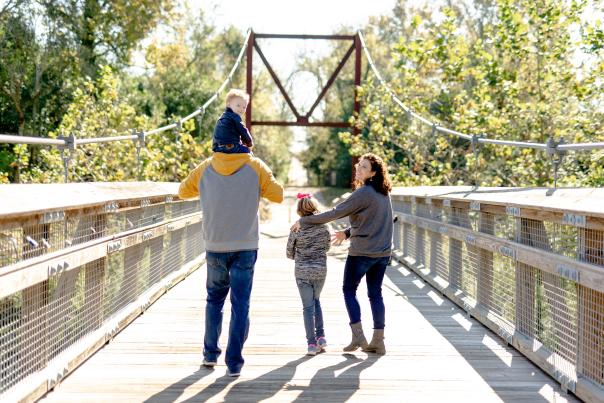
column 295, row 227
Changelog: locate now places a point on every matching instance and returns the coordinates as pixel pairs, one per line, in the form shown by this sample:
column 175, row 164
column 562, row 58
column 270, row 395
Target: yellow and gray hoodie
column 230, row 187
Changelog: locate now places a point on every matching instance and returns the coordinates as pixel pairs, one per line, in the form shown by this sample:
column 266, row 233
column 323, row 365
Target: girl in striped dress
column 308, row 248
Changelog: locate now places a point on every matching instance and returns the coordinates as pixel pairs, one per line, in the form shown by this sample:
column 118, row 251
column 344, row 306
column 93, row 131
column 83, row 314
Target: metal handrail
column 14, row 139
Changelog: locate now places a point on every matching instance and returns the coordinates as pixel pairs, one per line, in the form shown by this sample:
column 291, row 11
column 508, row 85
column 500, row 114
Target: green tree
column 106, row 31
column 34, row 68
column 511, row 78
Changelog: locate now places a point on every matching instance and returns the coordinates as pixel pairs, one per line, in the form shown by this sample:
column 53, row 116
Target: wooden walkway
column 435, row 353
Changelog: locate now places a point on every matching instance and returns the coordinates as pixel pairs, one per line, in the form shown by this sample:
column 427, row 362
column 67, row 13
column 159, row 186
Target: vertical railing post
column 249, row 79
column 357, row 101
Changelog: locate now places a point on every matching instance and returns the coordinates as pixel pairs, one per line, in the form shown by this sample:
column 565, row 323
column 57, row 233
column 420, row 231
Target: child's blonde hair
column 307, row 206
column 236, row 93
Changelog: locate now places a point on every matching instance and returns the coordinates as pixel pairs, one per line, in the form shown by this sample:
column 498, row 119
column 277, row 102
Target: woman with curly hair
column 370, row 212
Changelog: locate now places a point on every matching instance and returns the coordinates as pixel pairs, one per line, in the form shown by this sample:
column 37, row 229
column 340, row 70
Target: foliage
column 507, row 69
column 105, row 32
column 513, row 77
column 99, row 96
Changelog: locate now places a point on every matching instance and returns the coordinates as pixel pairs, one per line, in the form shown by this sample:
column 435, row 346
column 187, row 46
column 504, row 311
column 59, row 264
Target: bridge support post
column 357, row 100
column 249, row 78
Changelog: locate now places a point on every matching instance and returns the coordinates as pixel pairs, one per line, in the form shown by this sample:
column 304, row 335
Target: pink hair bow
column 303, row 195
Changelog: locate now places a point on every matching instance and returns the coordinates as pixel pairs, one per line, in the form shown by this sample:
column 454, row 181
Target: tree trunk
column 87, row 38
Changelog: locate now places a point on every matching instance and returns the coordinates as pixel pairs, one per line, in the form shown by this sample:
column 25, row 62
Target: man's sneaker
column 209, row 363
column 233, row 374
column 321, row 343
column 312, row 349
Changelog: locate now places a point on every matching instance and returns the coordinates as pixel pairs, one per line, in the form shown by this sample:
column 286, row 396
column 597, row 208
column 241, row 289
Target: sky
column 293, row 17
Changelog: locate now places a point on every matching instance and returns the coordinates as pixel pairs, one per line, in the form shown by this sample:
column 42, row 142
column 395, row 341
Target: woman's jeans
column 374, row 269
column 234, row 272
column 310, row 291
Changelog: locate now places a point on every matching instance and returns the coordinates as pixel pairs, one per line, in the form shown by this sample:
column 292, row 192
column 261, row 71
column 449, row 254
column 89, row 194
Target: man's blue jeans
column 310, row 291
column 374, row 269
column 232, row 271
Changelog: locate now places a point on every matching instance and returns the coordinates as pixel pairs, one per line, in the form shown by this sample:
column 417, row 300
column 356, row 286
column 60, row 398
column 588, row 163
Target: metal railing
column 527, row 265
column 72, row 277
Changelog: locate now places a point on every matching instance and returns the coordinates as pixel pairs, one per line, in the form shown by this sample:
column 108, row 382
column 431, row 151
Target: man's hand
column 296, row 226
column 338, row 238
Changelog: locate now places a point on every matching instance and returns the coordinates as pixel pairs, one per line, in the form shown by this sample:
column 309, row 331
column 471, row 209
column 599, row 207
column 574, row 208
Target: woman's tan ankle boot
column 358, row 338
column 377, row 343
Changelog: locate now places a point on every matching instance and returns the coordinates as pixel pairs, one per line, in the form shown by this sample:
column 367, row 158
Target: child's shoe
column 312, row 349
column 321, row 344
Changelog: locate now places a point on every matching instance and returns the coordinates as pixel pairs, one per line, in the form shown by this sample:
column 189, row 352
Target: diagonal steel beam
column 276, row 79
column 331, row 80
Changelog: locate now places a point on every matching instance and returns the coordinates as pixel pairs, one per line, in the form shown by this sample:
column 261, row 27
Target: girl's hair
column 380, row 181
column 307, row 206
column 237, row 93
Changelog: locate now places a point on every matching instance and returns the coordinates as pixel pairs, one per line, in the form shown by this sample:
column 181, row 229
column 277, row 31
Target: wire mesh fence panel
column 441, row 214
column 406, row 207
column 462, row 218
column 424, row 210
column 518, row 269
column 556, row 324
column 11, row 363
column 409, row 240
column 397, row 235
column 526, row 299
column 591, row 335
column 419, row 252
column 471, row 259
column 43, row 324
column 11, row 245
column 440, row 263
column 156, row 259
column 82, row 228
column 590, row 247
column 65, row 307
column 455, row 262
column 25, row 338
column 484, row 280
column 503, row 292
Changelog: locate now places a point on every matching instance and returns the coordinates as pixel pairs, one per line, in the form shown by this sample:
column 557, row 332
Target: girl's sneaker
column 312, row 349
column 321, row 343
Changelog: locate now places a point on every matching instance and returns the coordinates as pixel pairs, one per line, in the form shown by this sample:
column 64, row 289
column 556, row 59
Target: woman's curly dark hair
column 380, row 181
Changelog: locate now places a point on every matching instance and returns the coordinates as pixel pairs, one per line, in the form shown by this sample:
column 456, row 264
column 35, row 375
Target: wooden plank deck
column 435, row 353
